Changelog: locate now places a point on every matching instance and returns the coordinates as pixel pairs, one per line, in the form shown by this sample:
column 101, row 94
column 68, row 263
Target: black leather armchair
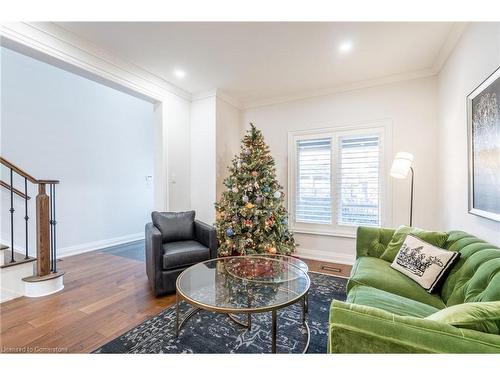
column 175, row 241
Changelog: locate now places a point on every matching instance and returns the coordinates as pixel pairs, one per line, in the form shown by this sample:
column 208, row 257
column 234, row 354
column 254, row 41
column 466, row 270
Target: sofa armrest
column 206, row 235
column 371, row 241
column 364, row 329
column 154, row 255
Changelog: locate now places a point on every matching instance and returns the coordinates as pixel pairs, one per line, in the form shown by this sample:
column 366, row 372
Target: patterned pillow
column 424, row 263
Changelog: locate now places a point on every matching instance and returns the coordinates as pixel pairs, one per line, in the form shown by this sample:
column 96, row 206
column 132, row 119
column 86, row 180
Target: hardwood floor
column 105, row 295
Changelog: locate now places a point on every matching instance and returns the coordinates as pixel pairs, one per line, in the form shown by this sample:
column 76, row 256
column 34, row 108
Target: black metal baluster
column 12, row 260
column 51, row 222
column 54, row 226
column 26, row 217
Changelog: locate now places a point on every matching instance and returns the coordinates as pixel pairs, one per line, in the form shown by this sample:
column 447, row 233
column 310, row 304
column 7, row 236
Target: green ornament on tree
column 242, row 227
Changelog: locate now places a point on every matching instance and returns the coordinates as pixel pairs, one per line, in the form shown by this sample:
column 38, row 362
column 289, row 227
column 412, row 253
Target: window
column 358, row 181
column 313, row 199
column 336, row 180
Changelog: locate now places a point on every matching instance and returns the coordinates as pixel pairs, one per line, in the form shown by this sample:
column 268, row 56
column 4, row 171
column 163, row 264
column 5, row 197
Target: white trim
column 97, row 245
column 324, row 233
column 384, row 128
column 324, row 256
column 54, row 41
column 35, row 289
column 394, row 78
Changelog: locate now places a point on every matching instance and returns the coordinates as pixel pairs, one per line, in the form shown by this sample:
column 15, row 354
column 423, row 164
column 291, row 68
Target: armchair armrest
column 206, row 235
column 364, row 329
column 372, row 241
column 154, row 254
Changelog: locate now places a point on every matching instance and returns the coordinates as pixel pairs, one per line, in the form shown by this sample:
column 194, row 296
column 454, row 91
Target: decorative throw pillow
column 434, row 238
column 422, row 262
column 174, row 226
column 479, row 316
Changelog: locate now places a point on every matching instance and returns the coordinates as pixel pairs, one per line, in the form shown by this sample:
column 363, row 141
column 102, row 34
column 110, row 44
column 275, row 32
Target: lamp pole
column 411, row 197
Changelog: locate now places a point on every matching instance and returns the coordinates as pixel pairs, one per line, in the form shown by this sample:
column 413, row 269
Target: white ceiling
column 257, row 62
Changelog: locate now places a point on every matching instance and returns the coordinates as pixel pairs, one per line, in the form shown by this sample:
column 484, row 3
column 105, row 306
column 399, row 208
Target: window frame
column 381, row 128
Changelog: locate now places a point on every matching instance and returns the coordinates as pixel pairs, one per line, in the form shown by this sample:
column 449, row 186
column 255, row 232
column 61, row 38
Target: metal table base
column 179, row 323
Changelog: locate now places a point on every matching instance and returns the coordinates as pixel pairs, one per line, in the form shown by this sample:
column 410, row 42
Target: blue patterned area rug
column 208, row 332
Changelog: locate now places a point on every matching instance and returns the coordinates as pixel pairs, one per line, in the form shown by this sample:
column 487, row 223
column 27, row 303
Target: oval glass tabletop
column 244, row 283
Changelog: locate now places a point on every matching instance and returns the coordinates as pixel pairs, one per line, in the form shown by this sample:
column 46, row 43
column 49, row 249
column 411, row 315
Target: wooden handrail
column 17, row 192
column 18, row 170
column 24, row 174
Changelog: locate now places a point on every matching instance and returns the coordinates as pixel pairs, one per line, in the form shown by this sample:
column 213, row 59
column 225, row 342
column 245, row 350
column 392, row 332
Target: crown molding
column 219, row 94
column 59, row 44
column 394, row 78
column 449, row 45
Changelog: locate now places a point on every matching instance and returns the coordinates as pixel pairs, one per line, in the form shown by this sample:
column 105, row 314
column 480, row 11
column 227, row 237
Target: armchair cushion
column 174, row 226
column 183, row 253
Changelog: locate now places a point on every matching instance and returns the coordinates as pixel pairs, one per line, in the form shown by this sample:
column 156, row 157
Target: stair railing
column 46, row 246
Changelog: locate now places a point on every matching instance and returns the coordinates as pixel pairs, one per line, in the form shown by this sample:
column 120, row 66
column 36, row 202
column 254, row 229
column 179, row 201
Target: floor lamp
column 401, row 165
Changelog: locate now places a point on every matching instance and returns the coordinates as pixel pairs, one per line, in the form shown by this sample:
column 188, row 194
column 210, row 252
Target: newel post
column 42, row 232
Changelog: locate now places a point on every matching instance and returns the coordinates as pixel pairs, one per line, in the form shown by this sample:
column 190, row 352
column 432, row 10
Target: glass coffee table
column 244, row 285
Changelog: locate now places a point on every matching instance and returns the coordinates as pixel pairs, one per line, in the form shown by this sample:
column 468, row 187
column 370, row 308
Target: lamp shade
column 401, row 164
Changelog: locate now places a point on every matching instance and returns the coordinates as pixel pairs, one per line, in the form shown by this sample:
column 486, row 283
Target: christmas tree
column 251, row 216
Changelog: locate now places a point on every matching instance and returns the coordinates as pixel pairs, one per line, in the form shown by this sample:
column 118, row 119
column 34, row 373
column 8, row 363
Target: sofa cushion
column 378, row 273
column 479, row 316
column 426, row 264
column 369, row 296
column 174, row 226
column 434, row 238
column 183, row 253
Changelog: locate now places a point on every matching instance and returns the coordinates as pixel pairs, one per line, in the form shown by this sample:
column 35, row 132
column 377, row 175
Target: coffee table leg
column 304, row 308
column 273, row 331
column 176, row 315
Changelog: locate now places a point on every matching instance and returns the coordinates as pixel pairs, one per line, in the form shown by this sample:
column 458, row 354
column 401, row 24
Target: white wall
column 228, row 140
column 203, row 158
column 475, row 57
column 96, row 140
column 177, row 117
column 410, row 107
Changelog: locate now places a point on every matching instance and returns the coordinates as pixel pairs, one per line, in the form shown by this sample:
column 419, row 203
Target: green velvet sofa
column 385, row 310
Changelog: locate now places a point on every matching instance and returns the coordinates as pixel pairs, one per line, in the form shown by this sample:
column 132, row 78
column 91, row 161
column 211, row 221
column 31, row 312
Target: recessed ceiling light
column 345, row 47
column 179, row 73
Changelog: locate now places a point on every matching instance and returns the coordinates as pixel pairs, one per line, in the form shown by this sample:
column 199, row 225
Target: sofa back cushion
column 174, row 226
column 476, row 276
column 437, row 239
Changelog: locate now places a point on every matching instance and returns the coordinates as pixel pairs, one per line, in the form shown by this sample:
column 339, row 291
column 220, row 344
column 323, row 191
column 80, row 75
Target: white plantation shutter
column 358, row 180
column 313, row 201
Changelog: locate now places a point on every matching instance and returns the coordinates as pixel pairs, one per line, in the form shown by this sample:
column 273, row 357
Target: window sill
column 324, row 233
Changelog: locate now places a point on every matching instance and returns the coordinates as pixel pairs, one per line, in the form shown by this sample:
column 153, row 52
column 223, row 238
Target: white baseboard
column 97, row 245
column 89, row 246
column 325, row 256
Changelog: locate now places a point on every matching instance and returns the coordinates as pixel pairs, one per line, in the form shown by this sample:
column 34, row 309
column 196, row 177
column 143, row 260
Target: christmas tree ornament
column 255, row 173
column 258, row 200
column 277, row 195
column 229, row 232
column 235, row 189
column 249, row 206
column 266, row 189
column 245, row 198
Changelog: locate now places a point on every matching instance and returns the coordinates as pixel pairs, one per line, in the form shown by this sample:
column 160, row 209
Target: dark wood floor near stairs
column 105, row 295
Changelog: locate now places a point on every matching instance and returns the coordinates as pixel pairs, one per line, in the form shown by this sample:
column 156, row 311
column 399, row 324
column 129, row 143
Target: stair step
column 18, row 257
column 52, row 275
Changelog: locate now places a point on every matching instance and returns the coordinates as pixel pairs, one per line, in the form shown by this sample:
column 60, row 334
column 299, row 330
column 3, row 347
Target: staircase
column 22, row 274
